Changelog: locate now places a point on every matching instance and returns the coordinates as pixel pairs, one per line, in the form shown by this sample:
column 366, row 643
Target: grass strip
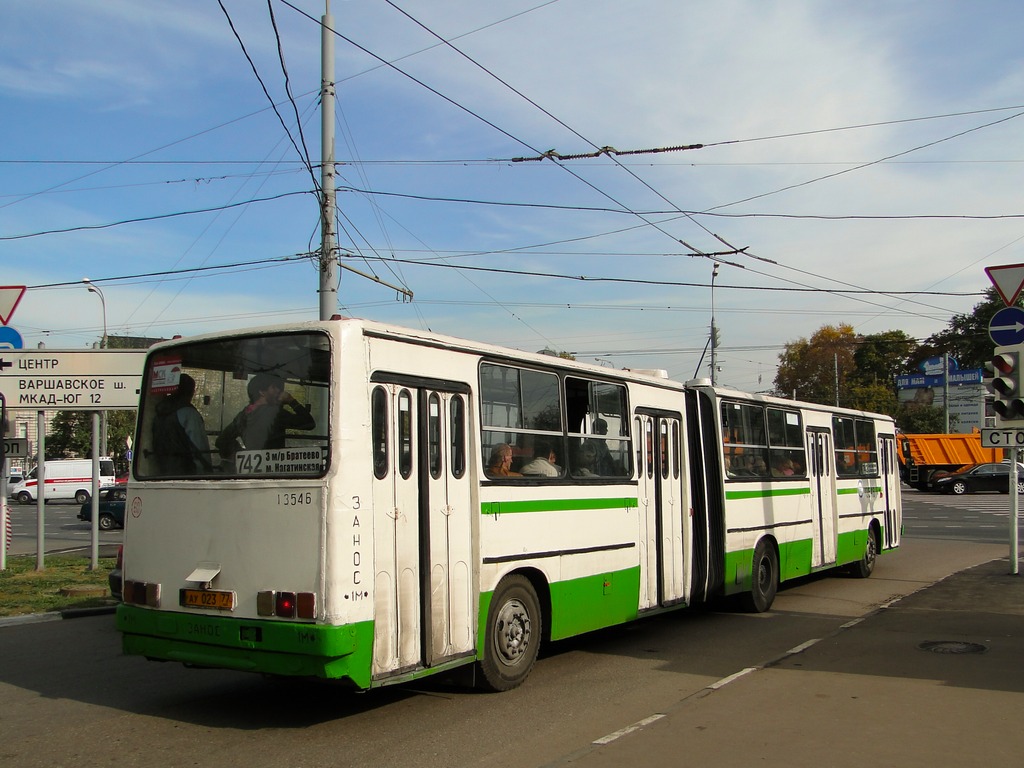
column 24, row 590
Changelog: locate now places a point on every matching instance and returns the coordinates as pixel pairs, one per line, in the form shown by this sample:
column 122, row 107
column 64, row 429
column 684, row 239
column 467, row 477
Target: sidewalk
column 935, row 679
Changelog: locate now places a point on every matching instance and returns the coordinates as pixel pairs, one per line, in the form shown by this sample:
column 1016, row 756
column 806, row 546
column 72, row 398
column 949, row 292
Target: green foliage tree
column 878, row 359
column 70, row 436
column 917, row 419
column 966, row 338
column 808, row 367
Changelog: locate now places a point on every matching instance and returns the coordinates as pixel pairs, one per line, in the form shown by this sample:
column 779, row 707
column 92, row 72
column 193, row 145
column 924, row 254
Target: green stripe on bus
column 875, row 489
column 583, row 604
column 763, row 493
column 794, row 559
column 250, row 645
column 554, row 505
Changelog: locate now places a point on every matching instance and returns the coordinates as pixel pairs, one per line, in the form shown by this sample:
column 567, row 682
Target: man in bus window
column 604, row 463
column 544, row 459
column 179, row 435
column 263, row 422
column 500, row 464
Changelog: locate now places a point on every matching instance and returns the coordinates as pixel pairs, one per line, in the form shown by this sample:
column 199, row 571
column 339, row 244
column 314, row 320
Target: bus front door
column 424, row 611
column 823, row 497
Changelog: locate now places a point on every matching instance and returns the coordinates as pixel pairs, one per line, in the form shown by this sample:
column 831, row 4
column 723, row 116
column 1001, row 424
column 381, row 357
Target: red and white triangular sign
column 1008, row 280
column 10, row 295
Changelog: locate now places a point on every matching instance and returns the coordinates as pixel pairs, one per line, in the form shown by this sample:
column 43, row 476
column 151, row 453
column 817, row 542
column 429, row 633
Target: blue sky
column 867, row 146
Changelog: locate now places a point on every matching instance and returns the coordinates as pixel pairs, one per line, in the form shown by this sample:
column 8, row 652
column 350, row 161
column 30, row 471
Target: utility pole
column 714, row 330
column 328, row 241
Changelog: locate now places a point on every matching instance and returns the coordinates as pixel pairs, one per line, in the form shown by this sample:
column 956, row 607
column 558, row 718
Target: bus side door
column 821, row 476
column 890, row 478
column 424, row 593
column 662, row 519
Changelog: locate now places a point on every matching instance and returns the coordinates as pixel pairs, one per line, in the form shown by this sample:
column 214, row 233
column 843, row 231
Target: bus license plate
column 207, row 598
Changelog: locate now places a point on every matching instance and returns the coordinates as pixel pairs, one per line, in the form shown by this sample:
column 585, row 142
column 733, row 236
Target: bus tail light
column 286, row 605
column 141, row 593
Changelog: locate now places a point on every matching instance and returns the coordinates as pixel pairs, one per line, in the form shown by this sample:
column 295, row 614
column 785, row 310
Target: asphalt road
column 983, row 517
column 63, row 531
column 68, row 697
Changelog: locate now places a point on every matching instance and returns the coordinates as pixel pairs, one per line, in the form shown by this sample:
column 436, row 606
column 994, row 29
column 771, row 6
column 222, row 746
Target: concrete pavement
column 933, row 679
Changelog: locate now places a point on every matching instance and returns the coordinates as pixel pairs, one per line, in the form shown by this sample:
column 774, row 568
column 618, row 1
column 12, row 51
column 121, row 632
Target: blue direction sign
column 1007, row 327
column 10, row 338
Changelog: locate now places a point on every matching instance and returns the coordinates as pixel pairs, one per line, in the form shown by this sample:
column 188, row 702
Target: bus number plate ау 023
column 207, row 598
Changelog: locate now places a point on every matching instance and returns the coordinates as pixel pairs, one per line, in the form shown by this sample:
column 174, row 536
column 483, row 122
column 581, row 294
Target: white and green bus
column 374, row 504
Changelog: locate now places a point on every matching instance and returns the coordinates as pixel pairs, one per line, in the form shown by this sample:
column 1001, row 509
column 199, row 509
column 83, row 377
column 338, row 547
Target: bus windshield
column 236, row 407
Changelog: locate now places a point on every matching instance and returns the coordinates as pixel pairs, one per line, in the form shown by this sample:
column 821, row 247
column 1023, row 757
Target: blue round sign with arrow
column 1006, row 327
column 10, row 338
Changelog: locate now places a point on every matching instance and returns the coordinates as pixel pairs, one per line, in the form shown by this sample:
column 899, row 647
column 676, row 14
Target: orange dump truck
column 921, row 456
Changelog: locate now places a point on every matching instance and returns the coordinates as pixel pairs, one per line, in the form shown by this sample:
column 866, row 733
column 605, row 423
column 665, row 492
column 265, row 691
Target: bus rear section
column 228, row 560
column 805, row 488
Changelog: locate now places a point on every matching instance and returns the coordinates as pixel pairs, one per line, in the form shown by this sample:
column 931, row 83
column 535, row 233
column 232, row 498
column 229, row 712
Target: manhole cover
column 952, row 646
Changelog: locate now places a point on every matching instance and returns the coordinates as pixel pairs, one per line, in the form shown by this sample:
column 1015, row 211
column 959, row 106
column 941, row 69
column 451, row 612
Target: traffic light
column 1008, row 400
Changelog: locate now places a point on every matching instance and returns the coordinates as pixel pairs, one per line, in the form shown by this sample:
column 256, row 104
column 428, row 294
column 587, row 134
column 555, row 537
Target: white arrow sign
column 1015, row 327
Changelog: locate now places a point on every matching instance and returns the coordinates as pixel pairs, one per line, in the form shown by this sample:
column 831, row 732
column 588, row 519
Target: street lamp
column 96, row 289
column 103, row 345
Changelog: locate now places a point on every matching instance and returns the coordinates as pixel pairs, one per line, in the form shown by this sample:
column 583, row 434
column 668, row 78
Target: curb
column 69, row 613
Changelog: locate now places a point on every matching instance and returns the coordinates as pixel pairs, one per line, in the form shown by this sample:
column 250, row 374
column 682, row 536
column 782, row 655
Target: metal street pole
column 103, row 345
column 328, row 244
column 714, row 330
column 1014, row 508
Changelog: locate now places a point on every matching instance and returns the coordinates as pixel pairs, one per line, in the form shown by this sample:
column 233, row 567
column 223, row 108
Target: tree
column 879, row 358
column 917, row 419
column 809, row 368
column 966, row 337
column 70, row 436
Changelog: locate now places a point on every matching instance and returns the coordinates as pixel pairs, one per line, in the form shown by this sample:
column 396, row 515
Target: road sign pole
column 95, row 498
column 3, row 484
column 1014, row 508
column 41, row 492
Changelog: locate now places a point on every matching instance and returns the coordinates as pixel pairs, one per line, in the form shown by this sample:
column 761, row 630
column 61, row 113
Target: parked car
column 111, row 507
column 114, row 578
column 978, row 477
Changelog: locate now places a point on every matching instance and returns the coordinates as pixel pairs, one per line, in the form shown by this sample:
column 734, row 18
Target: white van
column 65, row 479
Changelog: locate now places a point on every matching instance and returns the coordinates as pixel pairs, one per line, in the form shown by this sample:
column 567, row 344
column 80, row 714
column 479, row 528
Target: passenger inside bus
column 783, row 468
column 500, row 463
column 604, row 463
column 586, row 464
column 263, row 422
column 544, row 459
column 179, row 435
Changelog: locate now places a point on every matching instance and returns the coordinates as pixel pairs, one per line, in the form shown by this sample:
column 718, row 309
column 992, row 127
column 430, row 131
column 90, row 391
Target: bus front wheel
column 764, row 578
column 513, row 635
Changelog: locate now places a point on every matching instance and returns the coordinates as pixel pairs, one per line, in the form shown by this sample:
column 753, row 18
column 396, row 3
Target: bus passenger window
column 405, row 434
column 379, row 432
column 457, row 436
column 434, row 435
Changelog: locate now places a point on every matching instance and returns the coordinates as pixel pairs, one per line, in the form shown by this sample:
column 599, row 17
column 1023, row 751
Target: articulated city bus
column 374, row 504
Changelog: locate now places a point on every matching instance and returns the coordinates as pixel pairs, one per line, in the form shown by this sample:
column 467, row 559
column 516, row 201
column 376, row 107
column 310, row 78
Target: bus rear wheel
column 866, row 565
column 512, row 638
column 764, row 578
